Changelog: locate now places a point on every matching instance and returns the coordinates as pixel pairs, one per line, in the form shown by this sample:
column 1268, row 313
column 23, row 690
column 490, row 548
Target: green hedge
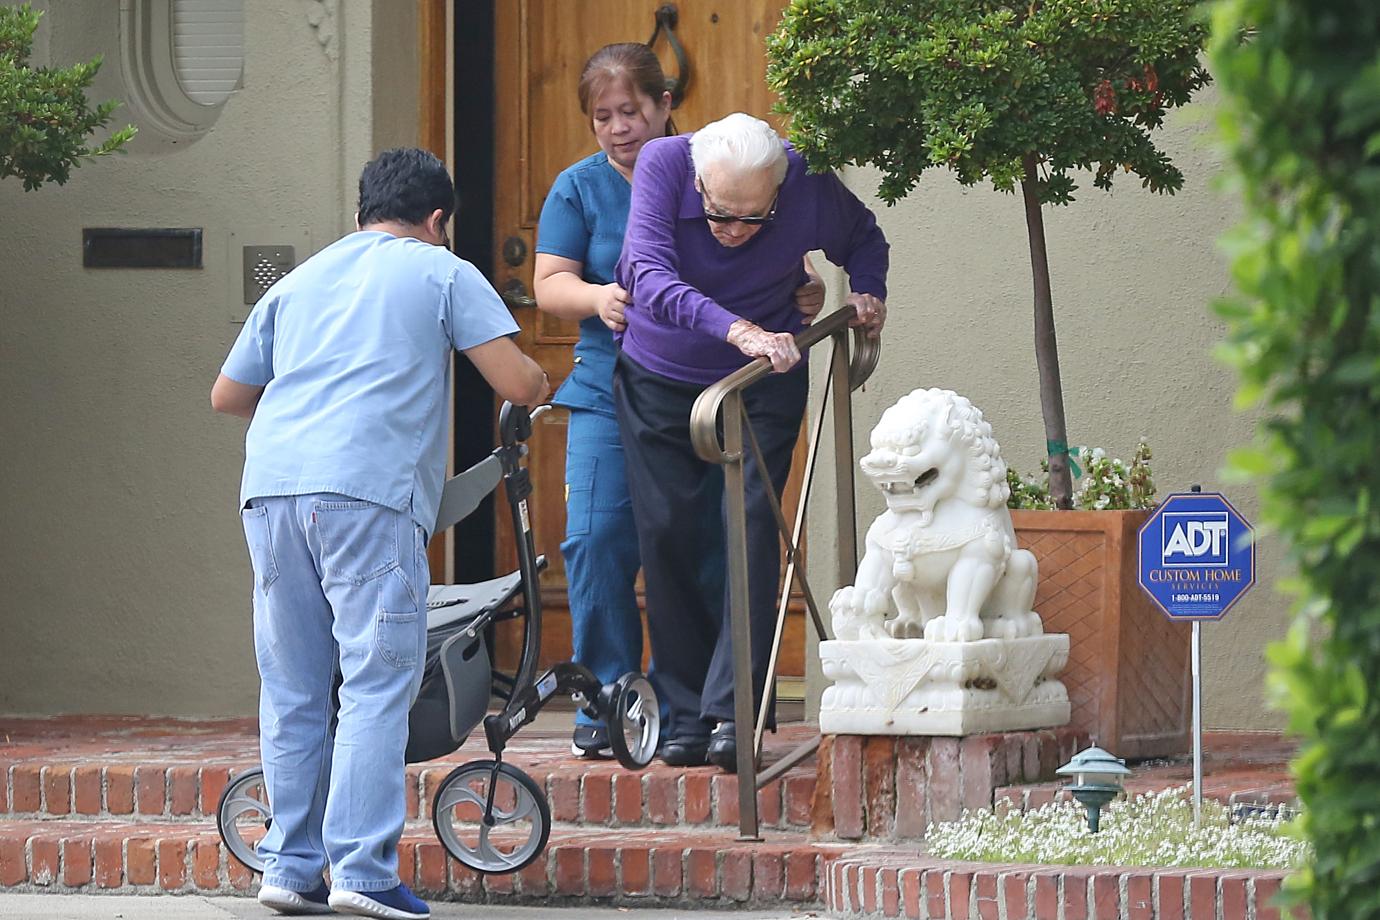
column 1301, row 87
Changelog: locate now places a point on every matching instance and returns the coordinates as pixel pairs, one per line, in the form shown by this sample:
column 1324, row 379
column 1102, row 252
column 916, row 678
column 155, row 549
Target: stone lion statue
column 944, row 552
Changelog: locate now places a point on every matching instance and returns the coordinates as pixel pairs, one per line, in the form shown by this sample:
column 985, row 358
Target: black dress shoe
column 723, row 747
column 684, row 752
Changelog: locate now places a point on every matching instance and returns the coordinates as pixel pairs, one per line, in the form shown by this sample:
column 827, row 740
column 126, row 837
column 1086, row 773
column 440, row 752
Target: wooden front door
column 540, row 48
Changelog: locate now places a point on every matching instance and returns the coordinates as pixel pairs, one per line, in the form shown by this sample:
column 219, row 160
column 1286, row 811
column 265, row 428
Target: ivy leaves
column 1301, row 96
column 975, row 85
column 45, row 118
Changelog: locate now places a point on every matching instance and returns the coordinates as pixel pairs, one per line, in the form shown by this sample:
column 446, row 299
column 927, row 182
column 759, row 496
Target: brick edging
column 903, row 885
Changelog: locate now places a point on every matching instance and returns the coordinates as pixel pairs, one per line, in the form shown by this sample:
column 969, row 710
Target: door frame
column 435, row 69
column 457, row 120
column 456, row 106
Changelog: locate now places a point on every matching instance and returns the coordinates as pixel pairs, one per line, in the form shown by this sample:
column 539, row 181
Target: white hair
column 740, row 142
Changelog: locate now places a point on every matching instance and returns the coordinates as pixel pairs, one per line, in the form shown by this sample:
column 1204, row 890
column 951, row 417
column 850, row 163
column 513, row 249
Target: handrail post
column 738, row 615
column 842, row 396
column 723, row 402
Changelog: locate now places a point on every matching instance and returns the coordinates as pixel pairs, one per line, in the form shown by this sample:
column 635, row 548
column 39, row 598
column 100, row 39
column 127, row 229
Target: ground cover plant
column 1148, row 829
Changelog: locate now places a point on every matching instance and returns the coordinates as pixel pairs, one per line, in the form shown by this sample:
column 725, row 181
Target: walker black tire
column 457, row 815
column 244, row 803
column 634, row 721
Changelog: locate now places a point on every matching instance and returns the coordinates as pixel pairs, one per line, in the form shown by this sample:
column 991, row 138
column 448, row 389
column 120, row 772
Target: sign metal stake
column 1196, row 654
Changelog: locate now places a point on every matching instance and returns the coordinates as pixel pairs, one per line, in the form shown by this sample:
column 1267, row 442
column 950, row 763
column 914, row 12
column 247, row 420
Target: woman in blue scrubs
column 622, row 91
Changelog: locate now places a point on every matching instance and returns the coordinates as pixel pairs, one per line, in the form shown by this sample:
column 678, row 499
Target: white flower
column 1147, row 829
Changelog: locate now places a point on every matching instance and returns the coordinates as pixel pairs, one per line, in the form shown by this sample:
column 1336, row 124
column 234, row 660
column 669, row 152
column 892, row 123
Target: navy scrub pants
column 669, row 486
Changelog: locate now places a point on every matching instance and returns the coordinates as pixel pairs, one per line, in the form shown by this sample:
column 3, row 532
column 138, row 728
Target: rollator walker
column 488, row 814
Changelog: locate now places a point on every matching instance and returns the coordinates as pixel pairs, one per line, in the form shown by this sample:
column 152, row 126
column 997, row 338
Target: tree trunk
column 1046, row 346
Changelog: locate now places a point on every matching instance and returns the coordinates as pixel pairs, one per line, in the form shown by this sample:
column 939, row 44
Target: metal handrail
column 703, row 417
column 719, row 413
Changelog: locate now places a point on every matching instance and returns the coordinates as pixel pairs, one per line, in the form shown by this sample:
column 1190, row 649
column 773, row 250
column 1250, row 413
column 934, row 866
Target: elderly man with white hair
column 718, row 229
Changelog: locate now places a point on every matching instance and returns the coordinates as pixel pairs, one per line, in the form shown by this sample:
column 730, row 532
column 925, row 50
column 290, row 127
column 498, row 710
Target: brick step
column 599, row 793
column 899, row 884
column 648, row 866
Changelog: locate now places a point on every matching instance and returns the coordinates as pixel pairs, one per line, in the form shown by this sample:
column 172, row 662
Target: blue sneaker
column 394, row 904
column 295, row 903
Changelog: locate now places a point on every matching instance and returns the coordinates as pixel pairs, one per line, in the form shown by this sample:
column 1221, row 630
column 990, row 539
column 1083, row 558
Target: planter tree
column 1020, row 94
column 45, row 118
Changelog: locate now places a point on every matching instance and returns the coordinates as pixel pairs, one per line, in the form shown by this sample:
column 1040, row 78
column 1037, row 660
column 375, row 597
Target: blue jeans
column 601, row 554
column 337, row 583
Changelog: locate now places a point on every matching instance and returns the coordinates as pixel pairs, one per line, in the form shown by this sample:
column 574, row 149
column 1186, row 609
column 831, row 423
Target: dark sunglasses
column 714, row 217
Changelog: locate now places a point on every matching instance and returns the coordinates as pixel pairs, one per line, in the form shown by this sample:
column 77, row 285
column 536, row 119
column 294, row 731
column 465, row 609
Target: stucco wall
column 123, row 579
column 124, row 583
column 1133, row 275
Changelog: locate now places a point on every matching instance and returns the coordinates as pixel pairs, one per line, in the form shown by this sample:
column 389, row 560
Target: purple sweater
column 687, row 289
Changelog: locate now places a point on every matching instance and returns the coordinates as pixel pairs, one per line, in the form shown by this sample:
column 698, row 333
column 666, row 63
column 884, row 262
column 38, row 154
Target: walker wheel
column 517, row 832
column 634, row 721
column 244, row 816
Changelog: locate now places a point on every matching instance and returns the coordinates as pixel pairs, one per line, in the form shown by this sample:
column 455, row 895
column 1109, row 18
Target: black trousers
column 668, row 483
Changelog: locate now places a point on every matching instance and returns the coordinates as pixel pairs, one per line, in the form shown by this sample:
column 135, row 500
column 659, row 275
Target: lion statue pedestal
column 938, row 635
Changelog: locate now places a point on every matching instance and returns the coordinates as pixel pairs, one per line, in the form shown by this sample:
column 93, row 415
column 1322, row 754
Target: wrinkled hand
column 613, row 300
column 871, row 313
column 809, row 297
column 756, row 342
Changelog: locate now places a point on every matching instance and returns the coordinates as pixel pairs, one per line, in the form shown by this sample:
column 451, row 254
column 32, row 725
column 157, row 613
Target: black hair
column 404, row 184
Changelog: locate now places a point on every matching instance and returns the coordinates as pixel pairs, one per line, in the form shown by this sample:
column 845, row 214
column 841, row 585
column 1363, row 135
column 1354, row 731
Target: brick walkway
column 127, row 805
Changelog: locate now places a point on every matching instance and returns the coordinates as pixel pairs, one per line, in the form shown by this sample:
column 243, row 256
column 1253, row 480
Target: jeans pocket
column 259, row 537
column 395, row 636
column 580, row 470
column 359, row 540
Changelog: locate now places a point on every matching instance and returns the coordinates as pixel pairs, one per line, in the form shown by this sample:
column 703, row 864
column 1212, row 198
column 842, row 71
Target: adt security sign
column 1197, row 556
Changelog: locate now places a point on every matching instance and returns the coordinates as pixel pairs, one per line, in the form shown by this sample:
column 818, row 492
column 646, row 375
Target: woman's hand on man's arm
column 809, row 297
column 611, row 301
column 562, row 292
column 871, row 313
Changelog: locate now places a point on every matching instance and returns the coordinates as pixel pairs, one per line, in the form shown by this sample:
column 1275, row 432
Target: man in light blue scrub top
column 343, row 368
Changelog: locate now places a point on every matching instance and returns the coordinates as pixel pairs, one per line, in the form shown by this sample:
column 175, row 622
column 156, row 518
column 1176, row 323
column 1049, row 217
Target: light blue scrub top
column 583, row 220
column 353, row 349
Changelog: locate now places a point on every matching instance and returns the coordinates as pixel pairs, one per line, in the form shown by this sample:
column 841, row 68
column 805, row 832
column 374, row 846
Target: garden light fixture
column 1097, row 777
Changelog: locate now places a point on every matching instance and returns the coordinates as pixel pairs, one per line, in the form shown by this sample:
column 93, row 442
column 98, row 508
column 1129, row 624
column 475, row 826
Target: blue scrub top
column 583, row 219
column 353, row 351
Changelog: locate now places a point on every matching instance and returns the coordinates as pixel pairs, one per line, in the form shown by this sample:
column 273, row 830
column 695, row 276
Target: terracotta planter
column 1128, row 675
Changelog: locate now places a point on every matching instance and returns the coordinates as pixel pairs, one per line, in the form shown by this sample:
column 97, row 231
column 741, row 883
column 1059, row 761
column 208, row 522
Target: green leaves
column 1301, row 122
column 975, row 85
column 1013, row 94
column 45, row 118
column 1105, row 484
